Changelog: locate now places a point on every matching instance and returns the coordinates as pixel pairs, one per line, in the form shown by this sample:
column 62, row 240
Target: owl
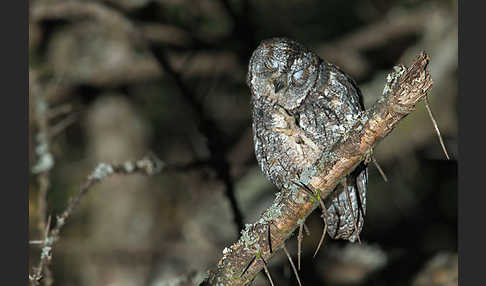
column 301, row 106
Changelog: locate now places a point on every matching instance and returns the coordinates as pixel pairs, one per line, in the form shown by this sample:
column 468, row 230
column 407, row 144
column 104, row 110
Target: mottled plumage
column 301, row 106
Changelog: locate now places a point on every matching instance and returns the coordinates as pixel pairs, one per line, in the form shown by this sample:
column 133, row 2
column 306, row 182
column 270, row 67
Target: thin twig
column 45, row 159
column 292, row 264
column 307, row 231
column 46, row 256
column 299, row 245
column 266, row 271
column 61, row 126
column 248, row 266
column 436, row 127
column 321, row 239
column 380, row 170
column 324, row 231
column 59, row 110
column 36, row 241
column 149, row 165
column 43, row 166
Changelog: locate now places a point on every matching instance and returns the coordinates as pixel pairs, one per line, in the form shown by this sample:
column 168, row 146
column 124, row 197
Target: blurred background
column 114, row 80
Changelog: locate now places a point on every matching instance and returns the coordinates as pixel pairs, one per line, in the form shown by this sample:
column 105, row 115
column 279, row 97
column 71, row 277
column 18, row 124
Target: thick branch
column 405, row 87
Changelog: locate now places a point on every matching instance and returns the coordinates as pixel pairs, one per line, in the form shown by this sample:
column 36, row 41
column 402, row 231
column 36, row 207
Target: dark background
column 124, row 78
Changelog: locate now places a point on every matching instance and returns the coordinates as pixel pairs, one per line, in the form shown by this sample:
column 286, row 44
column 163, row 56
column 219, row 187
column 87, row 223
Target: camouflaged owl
column 301, row 106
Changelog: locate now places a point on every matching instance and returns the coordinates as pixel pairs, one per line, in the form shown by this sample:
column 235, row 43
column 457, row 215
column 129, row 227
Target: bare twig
column 46, row 256
column 45, row 160
column 321, row 240
column 405, row 87
column 73, row 10
column 292, row 264
column 149, row 165
column 59, row 110
column 436, row 127
column 324, row 217
column 36, row 242
column 307, row 231
column 380, row 170
column 43, row 166
column 300, row 236
column 266, row 271
column 62, row 125
column 248, row 266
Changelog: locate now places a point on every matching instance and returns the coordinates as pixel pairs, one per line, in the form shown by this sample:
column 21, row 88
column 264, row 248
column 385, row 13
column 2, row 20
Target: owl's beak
column 278, row 85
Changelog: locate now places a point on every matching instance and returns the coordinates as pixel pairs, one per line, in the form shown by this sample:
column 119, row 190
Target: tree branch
column 210, row 130
column 405, row 87
column 148, row 165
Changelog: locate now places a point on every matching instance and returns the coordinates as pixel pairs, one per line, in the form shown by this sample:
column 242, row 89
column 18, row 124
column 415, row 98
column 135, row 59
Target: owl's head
column 282, row 71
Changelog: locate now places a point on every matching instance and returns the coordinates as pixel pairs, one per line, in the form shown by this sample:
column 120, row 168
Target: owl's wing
column 345, row 221
column 354, row 85
column 331, row 108
column 281, row 149
column 346, row 210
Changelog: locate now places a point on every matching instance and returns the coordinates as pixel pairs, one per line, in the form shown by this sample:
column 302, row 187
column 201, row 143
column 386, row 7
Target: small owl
column 301, row 106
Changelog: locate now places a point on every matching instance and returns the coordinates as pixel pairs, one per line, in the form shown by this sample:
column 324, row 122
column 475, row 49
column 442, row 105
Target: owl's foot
column 315, row 194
